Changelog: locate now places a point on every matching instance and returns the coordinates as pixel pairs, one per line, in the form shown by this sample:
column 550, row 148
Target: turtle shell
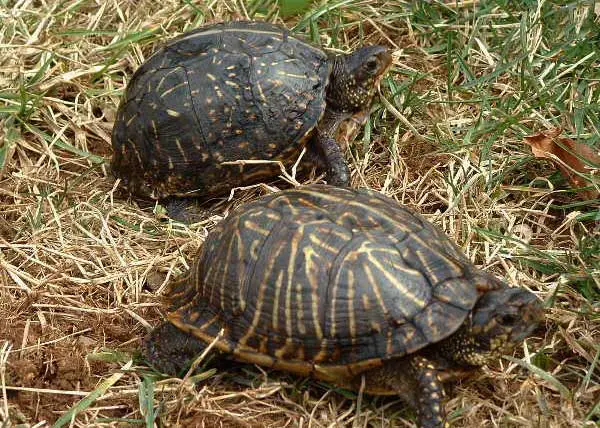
column 324, row 281
column 222, row 93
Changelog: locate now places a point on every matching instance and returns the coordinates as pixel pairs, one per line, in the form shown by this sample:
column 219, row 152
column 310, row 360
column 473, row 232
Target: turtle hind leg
column 171, row 350
column 184, row 210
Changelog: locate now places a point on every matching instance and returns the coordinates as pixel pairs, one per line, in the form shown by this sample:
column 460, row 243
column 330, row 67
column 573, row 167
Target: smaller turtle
column 226, row 93
column 346, row 286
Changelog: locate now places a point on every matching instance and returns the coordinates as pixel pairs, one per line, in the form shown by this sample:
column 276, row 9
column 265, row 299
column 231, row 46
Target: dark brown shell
column 222, row 93
column 325, row 281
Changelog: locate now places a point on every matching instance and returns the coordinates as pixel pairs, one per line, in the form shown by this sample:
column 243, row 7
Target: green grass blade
column 90, row 398
column 65, row 146
column 321, row 11
column 564, row 391
column 11, row 135
column 293, row 7
column 135, row 37
column 146, row 397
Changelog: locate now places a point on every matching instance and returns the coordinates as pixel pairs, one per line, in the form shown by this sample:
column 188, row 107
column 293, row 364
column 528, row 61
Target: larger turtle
column 231, row 92
column 347, row 286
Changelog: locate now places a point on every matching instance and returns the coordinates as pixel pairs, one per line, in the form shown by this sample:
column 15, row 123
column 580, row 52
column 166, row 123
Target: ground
column 83, row 267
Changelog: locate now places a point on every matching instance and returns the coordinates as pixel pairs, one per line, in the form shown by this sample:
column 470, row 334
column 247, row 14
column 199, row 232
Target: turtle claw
column 339, row 175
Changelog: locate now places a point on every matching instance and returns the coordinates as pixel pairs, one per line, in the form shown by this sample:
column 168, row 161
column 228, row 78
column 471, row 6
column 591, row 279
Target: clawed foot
column 184, row 210
column 339, row 175
column 170, row 350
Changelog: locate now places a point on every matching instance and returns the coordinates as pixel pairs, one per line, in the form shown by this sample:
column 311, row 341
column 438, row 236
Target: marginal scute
column 424, row 253
column 458, row 292
column 407, row 339
column 437, row 319
column 294, row 288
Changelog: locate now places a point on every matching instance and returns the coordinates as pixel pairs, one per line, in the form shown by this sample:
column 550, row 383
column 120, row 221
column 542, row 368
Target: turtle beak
column 386, row 60
column 532, row 314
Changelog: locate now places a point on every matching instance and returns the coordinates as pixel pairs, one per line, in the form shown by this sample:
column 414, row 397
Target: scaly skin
column 354, row 79
column 171, row 350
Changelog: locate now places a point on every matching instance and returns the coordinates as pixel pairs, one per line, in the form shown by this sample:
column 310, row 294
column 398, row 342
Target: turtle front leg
column 415, row 379
column 184, row 210
column 430, row 394
column 338, row 173
column 171, row 350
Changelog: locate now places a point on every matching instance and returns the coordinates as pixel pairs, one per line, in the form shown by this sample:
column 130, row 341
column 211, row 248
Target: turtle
column 347, row 286
column 212, row 99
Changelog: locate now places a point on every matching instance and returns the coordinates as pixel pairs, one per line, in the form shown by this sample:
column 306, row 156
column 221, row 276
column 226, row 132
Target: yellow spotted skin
column 337, row 283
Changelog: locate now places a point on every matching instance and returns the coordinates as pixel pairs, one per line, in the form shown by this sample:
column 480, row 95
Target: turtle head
column 354, row 78
column 500, row 320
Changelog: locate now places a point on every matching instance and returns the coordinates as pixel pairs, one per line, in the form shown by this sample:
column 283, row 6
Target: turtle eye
column 371, row 65
column 508, row 319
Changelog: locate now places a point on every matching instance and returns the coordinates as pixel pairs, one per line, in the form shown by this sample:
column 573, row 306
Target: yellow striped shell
column 325, row 281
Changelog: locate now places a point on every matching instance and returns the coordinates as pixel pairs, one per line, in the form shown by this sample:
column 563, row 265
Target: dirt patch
column 57, row 371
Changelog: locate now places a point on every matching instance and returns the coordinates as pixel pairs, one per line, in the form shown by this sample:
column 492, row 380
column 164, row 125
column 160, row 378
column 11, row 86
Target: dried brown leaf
column 566, row 155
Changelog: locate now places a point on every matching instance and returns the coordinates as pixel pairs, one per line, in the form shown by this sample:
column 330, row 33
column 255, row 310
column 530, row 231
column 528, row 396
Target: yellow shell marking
column 180, row 149
column 376, row 290
column 261, row 296
column 260, row 91
column 286, row 74
column 405, row 292
column 290, row 277
column 275, row 313
column 358, row 207
column 230, row 245
column 174, row 88
column 288, row 347
column 366, row 302
column 351, row 315
column 309, row 267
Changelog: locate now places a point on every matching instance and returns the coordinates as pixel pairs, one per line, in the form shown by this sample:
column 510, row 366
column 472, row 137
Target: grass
column 82, row 268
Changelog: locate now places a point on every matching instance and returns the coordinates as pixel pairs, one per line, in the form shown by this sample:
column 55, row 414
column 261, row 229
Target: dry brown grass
column 82, row 268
